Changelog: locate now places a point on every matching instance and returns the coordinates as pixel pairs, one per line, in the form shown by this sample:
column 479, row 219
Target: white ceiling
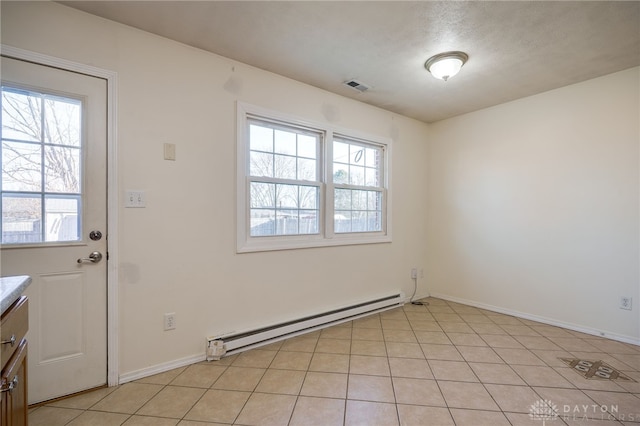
column 516, row 48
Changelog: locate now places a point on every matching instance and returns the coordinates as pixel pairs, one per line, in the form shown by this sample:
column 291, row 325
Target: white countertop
column 11, row 288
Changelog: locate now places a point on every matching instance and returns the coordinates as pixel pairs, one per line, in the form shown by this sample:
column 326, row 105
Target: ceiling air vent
column 357, row 85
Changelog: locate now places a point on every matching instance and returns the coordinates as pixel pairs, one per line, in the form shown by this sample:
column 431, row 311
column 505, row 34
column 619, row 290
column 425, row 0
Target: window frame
column 326, row 235
column 366, row 144
column 43, row 194
column 300, row 182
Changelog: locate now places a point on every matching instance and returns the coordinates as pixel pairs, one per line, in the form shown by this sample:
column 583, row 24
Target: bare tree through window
column 41, row 166
column 284, row 191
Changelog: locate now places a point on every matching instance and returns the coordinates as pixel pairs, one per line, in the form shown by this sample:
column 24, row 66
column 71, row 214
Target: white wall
column 178, row 254
column 533, row 205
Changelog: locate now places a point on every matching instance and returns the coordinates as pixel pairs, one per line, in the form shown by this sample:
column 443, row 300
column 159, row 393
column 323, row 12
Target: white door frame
column 112, row 189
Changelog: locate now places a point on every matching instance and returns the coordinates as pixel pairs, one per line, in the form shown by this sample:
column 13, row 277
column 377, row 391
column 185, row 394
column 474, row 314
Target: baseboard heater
column 242, row 341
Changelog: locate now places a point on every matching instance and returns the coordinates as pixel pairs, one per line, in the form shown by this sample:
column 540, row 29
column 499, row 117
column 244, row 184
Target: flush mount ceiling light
column 446, row 65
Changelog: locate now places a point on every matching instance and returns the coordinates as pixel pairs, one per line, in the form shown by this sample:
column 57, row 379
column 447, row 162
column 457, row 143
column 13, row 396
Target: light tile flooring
column 441, row 364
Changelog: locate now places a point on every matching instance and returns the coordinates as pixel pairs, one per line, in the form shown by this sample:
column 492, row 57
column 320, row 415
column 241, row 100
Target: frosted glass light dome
column 445, row 65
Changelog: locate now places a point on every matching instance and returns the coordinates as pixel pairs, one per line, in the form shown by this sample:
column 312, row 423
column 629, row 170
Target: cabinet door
column 13, row 327
column 4, row 420
column 14, row 389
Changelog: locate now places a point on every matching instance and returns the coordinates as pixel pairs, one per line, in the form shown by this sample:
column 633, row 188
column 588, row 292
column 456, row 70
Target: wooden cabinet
column 13, row 354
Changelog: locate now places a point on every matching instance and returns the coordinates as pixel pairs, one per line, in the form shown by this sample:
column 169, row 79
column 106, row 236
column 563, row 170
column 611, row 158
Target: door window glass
column 41, row 167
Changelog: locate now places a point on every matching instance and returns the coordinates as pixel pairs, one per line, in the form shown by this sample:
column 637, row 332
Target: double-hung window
column 304, row 184
column 284, row 179
column 358, row 186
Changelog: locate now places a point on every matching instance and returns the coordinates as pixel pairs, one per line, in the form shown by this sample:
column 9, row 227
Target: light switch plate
column 134, row 199
column 170, row 151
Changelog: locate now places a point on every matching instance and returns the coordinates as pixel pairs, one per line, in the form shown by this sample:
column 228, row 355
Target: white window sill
column 311, row 241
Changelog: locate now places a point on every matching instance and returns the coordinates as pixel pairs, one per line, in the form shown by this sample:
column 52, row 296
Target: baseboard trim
column 160, row 368
column 549, row 321
column 186, row 361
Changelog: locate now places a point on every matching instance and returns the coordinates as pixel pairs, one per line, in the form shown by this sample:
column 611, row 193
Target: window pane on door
column 61, row 218
column 62, row 121
column 62, row 169
column 41, row 155
column 21, row 113
column 21, row 219
column 21, row 167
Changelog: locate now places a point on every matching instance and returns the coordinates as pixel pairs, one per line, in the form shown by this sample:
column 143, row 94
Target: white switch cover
column 134, row 199
column 170, row 151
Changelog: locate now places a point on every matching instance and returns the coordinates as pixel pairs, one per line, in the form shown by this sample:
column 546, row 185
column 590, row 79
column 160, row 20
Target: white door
column 54, row 183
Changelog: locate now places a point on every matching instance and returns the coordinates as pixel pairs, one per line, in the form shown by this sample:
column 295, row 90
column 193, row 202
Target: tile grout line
column 431, row 369
column 476, row 376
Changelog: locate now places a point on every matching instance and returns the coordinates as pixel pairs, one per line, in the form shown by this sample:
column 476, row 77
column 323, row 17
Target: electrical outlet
column 625, row 302
column 414, row 273
column 170, row 321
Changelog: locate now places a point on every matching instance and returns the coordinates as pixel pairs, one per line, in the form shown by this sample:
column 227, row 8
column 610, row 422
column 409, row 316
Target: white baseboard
column 161, row 368
column 183, row 362
column 550, row 321
column 186, row 361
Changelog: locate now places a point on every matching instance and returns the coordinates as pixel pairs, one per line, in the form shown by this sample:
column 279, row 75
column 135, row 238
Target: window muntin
column 357, row 211
column 284, row 186
column 358, row 191
column 41, row 167
column 283, row 209
column 357, row 163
